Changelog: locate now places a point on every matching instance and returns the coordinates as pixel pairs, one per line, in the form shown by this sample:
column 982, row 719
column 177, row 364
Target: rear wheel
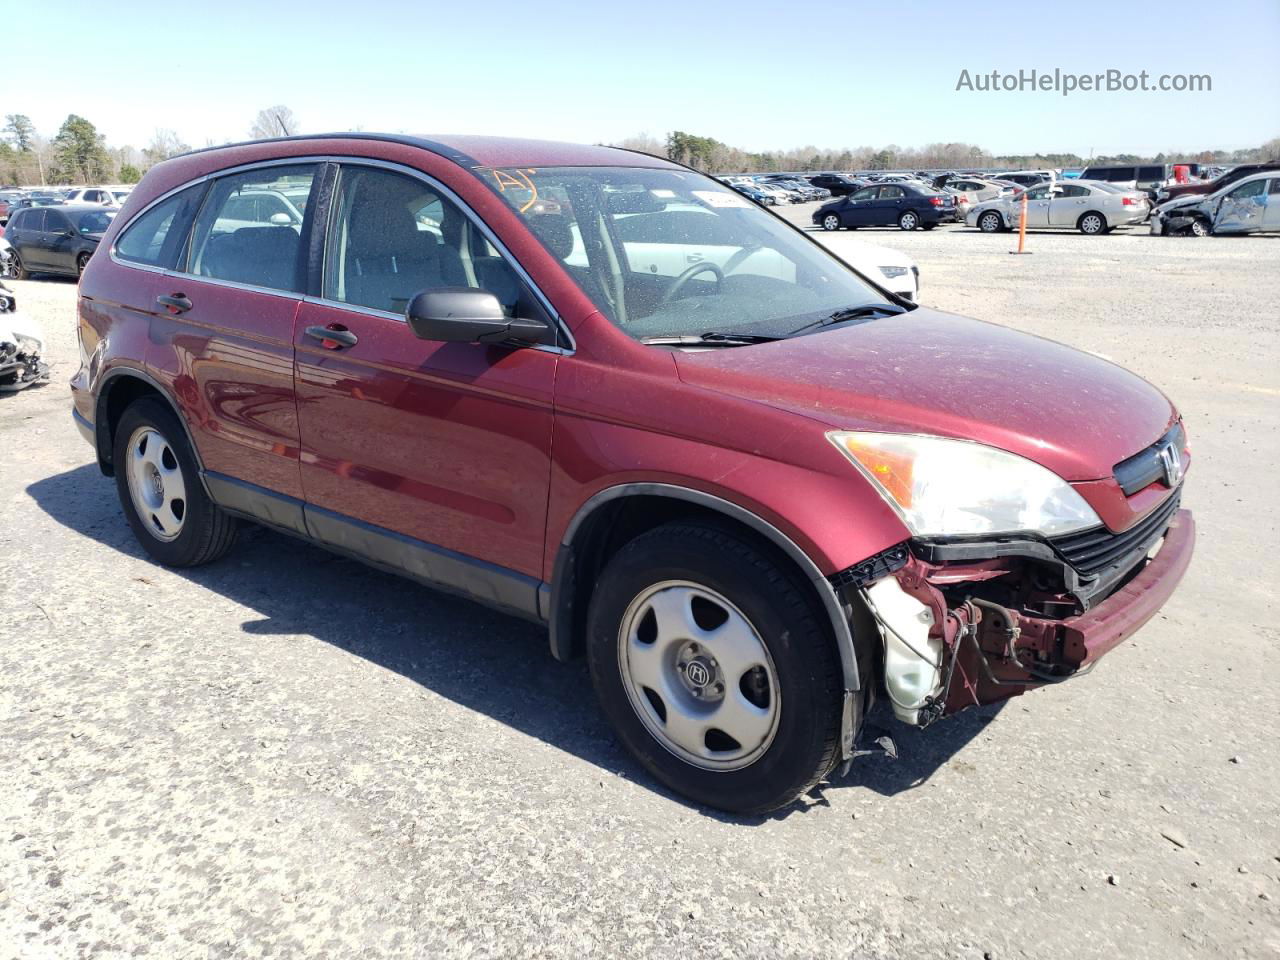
column 19, row 269
column 158, row 482
column 831, row 222
column 1092, row 224
column 909, row 220
column 713, row 664
column 82, row 261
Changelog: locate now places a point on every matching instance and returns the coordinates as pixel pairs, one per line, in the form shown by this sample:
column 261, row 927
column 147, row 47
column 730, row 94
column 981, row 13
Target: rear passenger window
column 1275, row 187
column 156, row 238
column 250, row 228
column 393, row 236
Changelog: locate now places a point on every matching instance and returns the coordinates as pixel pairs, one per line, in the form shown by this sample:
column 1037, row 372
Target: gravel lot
column 289, row 755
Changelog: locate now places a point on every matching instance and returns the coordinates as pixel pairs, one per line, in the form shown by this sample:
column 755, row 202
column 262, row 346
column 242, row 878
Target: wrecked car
column 21, row 343
column 752, row 485
column 1251, row 205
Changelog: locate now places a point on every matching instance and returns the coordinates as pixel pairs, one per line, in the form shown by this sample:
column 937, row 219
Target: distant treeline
column 706, row 153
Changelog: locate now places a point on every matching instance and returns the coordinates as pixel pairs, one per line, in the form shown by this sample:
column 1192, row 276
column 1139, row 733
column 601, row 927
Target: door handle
column 333, row 337
column 175, row 303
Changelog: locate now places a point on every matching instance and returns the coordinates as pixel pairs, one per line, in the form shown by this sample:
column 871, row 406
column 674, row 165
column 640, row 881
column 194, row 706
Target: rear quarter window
column 157, row 237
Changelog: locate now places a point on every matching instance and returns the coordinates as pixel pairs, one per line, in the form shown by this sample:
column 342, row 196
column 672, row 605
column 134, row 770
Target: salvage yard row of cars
column 1173, row 197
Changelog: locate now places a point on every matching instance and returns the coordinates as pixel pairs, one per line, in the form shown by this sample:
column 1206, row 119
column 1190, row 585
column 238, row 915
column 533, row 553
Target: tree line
column 79, row 154
column 712, row 156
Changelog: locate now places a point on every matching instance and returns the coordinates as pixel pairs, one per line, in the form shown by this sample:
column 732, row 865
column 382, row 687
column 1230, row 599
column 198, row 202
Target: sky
column 756, row 74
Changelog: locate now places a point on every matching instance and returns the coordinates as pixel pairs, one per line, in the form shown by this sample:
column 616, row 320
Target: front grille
column 1094, row 550
column 1146, row 467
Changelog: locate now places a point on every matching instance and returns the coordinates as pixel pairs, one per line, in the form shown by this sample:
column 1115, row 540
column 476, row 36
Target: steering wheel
column 687, row 274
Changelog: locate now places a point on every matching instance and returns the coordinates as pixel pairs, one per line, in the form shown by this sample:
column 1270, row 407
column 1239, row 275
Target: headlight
column 946, row 487
column 893, row 271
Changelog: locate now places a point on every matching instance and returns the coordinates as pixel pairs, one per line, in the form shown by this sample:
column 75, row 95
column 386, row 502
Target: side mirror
column 280, row 219
column 465, row 315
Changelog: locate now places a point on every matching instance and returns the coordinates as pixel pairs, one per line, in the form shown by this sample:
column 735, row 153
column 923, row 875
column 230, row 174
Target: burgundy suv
column 604, row 392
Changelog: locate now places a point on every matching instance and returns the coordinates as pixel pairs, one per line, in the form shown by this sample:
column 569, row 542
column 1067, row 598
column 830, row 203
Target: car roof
column 471, row 151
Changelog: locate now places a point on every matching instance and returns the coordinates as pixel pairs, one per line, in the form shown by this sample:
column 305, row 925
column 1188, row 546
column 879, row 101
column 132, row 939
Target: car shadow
column 480, row 659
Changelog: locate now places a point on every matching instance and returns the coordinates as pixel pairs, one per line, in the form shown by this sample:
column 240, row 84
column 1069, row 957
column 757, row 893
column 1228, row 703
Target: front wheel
column 158, row 482
column 1199, row 227
column 990, row 222
column 830, row 222
column 908, row 221
column 712, row 661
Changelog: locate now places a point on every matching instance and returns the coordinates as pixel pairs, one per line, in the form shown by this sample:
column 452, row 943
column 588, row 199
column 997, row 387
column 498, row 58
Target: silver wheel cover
column 156, row 485
column 688, row 659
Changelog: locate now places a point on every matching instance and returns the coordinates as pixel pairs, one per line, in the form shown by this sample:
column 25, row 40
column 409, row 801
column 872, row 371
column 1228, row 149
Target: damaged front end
column 20, row 348
column 967, row 621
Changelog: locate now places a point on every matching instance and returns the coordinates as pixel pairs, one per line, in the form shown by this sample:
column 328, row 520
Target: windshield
column 96, row 221
column 674, row 253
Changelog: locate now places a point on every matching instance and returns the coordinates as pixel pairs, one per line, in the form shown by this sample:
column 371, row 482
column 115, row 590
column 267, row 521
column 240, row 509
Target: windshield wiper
column 853, row 313
column 711, row 339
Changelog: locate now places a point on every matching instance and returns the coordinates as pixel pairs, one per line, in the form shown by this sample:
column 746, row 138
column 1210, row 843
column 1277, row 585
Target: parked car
column 1091, row 208
column 906, row 204
column 56, row 239
column 99, row 195
column 751, row 487
column 779, row 193
column 1204, row 187
column 837, row 183
column 751, row 189
column 1251, row 205
column 28, row 200
column 21, row 347
column 1148, row 178
column 883, row 266
column 978, row 190
column 1027, row 178
column 806, row 190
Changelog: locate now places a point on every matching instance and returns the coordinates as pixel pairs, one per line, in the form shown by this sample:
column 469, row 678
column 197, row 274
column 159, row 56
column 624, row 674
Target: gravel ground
column 289, row 755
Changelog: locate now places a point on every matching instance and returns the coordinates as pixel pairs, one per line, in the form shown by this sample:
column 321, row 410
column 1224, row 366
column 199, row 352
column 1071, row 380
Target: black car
column 840, row 186
column 907, row 205
column 58, row 239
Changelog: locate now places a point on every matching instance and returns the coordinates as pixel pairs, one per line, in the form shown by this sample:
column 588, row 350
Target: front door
column 888, row 206
column 857, row 209
column 1038, row 206
column 1243, row 209
column 433, row 458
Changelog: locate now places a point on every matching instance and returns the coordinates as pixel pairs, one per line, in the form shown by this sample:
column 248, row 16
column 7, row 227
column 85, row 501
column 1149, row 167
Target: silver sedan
column 1090, row 206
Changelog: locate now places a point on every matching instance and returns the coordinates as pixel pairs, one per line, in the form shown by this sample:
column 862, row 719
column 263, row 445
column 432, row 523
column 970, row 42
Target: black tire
column 207, row 532
column 908, row 220
column 81, row 262
column 1092, row 223
column 831, row 222
column 792, row 627
column 927, row 226
column 990, row 222
column 19, row 270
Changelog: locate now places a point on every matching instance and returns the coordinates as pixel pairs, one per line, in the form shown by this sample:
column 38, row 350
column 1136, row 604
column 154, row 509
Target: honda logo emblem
column 1171, row 460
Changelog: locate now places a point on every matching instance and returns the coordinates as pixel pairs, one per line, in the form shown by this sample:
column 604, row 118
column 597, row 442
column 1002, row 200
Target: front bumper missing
column 990, row 651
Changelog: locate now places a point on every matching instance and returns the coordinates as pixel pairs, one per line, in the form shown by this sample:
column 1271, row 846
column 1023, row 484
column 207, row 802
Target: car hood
column 861, row 254
column 1187, row 200
column 935, row 373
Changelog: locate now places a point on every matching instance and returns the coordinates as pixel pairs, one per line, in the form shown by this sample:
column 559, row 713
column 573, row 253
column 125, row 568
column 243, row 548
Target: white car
column 93, row 195
column 21, row 343
column 890, row 268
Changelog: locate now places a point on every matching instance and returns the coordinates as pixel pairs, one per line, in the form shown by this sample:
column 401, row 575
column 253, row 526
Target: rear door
column 226, row 333
column 1243, row 209
column 1069, row 201
column 1271, row 219
column 432, row 457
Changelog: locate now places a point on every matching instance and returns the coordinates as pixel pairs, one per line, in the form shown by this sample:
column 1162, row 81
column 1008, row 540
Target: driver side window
column 866, row 193
column 1253, row 189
